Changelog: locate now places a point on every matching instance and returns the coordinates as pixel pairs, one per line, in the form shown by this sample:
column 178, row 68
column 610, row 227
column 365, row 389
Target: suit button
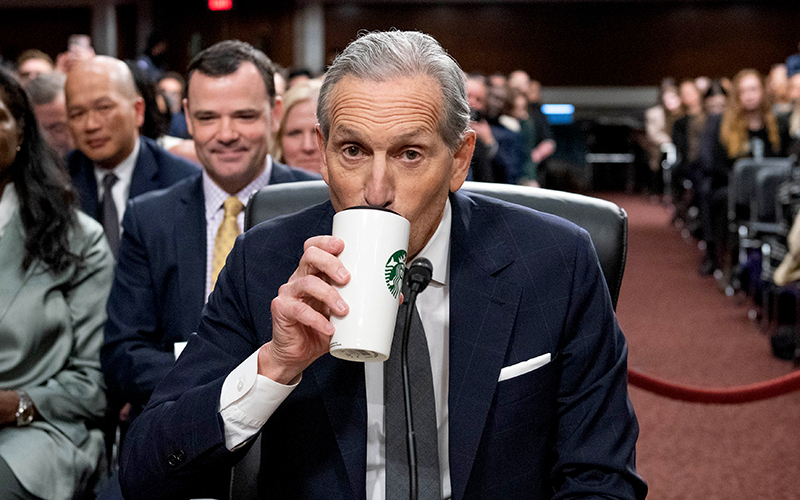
column 177, row 458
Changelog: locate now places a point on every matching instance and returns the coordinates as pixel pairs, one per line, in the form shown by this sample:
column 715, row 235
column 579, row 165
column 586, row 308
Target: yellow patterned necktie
column 226, row 236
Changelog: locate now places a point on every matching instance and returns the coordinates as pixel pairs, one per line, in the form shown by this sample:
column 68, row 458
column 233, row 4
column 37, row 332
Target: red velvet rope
column 727, row 395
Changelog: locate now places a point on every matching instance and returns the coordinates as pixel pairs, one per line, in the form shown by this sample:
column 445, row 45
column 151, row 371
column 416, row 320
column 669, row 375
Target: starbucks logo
column 394, row 271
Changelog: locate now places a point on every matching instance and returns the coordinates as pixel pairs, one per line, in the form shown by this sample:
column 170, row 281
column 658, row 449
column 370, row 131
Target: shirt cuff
column 248, row 400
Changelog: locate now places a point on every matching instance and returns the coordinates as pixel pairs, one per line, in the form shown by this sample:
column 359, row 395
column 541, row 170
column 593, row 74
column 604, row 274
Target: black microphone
column 417, row 278
column 419, row 275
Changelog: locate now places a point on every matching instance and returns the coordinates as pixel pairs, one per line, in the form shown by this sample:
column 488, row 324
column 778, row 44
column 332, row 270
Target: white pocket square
column 178, row 347
column 524, row 367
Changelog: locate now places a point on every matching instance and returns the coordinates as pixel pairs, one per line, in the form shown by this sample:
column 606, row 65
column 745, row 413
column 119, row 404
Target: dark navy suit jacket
column 522, row 284
column 159, row 284
column 155, row 169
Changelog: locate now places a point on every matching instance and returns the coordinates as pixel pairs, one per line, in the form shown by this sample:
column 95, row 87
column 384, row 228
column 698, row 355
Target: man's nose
column 227, row 132
column 379, row 188
column 92, row 121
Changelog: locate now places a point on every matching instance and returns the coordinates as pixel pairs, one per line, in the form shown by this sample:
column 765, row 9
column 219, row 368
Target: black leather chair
column 606, row 223
column 751, row 210
column 763, row 210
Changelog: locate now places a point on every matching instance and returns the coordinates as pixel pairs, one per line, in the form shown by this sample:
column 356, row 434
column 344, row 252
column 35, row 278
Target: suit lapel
column 483, row 307
column 190, row 250
column 86, row 184
column 12, row 277
column 145, row 171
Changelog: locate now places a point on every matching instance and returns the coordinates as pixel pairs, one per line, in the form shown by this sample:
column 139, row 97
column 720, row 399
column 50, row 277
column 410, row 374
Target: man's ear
column 461, row 161
column 277, row 114
column 322, row 143
column 189, row 124
column 138, row 108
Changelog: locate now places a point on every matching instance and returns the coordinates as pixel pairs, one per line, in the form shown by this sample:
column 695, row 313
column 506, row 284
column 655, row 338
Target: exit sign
column 220, row 4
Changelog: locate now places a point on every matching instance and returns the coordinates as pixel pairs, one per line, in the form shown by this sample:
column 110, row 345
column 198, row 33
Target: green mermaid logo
column 394, row 271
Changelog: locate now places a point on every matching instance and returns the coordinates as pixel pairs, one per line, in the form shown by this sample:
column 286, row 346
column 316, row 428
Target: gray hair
column 45, row 88
column 388, row 55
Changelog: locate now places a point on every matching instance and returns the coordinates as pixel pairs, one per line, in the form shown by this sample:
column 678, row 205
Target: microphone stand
column 417, row 278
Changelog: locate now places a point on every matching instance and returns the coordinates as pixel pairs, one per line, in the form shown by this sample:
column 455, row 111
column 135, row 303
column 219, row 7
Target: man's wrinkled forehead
column 385, row 103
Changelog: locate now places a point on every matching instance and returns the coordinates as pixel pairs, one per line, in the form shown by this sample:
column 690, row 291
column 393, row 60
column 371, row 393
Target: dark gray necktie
column 423, row 411
column 108, row 213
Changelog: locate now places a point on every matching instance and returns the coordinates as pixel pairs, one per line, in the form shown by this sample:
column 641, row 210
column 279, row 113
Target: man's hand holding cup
column 301, row 327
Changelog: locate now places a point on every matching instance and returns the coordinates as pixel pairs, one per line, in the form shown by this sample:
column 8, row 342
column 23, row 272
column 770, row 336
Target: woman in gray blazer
column 55, row 276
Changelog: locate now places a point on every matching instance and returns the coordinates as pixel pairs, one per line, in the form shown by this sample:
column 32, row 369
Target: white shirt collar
column 437, row 250
column 9, row 203
column 123, row 171
column 215, row 196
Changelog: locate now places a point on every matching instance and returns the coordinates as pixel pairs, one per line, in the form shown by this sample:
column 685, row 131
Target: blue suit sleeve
column 597, row 428
column 176, row 447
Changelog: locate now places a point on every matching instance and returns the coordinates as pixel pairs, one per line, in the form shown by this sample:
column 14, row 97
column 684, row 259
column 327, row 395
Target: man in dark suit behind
column 528, row 364
column 165, row 270
column 104, row 114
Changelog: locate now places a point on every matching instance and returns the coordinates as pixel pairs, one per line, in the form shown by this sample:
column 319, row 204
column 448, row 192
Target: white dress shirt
column 215, row 197
column 248, row 399
column 120, row 190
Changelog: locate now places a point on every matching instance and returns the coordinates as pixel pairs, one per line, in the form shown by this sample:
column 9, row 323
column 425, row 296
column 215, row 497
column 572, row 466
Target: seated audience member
column 516, row 117
column 702, row 83
column 157, row 118
column 113, row 163
column 172, row 86
column 156, row 112
column 153, row 60
column 793, row 64
column 778, row 89
column 488, row 163
column 509, row 285
column 519, row 80
column 481, row 168
column 658, row 121
column 175, row 241
column 497, row 80
column 56, row 273
column 506, row 131
column 298, row 75
column 544, row 140
column 794, row 88
column 50, row 106
column 789, row 269
column 535, row 93
column 32, row 63
column 747, row 128
column 687, row 133
column 715, row 98
column 7, row 65
column 295, row 143
column 541, row 136
column 792, row 146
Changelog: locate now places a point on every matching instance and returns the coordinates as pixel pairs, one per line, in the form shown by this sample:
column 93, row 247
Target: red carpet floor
column 682, row 328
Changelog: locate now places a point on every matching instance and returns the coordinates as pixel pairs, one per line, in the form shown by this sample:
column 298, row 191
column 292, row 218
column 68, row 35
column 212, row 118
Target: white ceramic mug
column 375, row 250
